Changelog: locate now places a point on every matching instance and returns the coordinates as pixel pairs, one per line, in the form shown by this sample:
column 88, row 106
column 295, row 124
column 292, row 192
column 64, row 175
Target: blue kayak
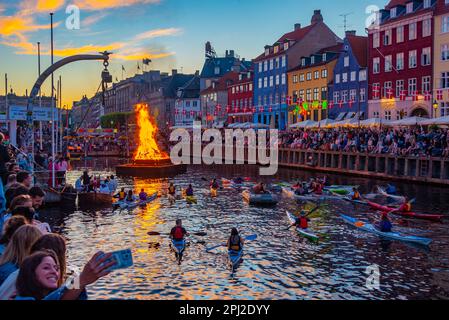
column 265, row 199
column 389, row 235
column 235, row 257
column 138, row 203
column 178, row 247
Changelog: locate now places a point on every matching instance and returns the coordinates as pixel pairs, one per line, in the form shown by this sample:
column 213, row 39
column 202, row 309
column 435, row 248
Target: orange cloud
column 17, row 25
column 108, row 4
column 158, row 33
column 49, row 5
column 141, row 56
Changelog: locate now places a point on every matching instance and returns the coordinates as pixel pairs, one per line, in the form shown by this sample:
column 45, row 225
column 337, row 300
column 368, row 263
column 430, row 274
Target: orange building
column 308, row 85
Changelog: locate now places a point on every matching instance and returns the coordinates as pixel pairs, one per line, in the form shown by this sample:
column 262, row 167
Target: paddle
column 154, row 233
column 308, row 214
column 248, row 238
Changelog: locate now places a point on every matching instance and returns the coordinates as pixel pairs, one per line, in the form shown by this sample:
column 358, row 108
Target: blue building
column 270, row 69
column 348, row 92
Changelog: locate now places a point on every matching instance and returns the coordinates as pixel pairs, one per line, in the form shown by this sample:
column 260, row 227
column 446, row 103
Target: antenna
column 345, row 19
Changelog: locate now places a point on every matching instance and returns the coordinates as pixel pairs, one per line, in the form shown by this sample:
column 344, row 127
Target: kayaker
column 302, row 221
column 406, row 206
column 189, row 191
column 305, row 188
column 356, row 194
column 299, row 190
column 214, row 185
column 260, row 188
column 172, row 190
column 238, row 180
column 143, row 196
column 297, row 185
column 121, row 195
column 235, row 242
column 391, row 189
column 385, row 224
column 130, row 197
column 317, row 188
column 178, row 232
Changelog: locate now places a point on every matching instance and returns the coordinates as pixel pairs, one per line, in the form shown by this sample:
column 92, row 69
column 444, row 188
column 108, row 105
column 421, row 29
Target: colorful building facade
column 271, row 67
column 400, row 60
column 240, row 99
column 188, row 103
column 308, row 85
column 441, row 59
column 349, row 87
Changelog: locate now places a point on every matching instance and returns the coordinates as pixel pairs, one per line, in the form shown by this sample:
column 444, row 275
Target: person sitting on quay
column 37, row 197
column 10, row 228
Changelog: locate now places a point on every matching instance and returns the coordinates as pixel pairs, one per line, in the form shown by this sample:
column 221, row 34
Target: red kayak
column 432, row 217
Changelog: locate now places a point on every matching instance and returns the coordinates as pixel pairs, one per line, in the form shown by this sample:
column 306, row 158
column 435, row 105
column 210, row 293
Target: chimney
column 317, row 17
column 297, row 26
column 227, row 53
column 351, row 33
column 231, row 53
column 174, row 72
column 197, row 73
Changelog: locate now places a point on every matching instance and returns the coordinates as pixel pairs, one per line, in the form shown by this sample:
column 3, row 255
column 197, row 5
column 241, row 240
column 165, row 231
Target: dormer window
column 312, row 60
column 324, row 57
column 267, row 51
column 303, row 62
column 427, row 3
column 393, row 12
column 276, row 49
column 217, row 70
column 409, row 7
column 286, row 46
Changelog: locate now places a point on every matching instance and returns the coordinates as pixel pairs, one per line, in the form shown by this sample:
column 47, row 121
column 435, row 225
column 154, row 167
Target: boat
column 94, row 199
column 391, row 196
column 309, row 197
column 431, row 217
column 138, row 203
column 365, row 226
column 178, row 247
column 265, row 199
column 52, row 196
column 235, row 257
column 306, row 233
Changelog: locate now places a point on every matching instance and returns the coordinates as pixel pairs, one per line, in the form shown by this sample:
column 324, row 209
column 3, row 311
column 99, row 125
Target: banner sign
column 39, row 113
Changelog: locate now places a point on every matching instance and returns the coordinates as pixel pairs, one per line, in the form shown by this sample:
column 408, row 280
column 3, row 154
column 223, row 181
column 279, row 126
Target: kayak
column 342, row 187
column 309, row 197
column 389, row 235
column 341, row 192
column 135, row 204
column 348, row 199
column 191, row 200
column 306, row 233
column 178, row 247
column 394, row 197
column 432, row 217
column 266, row 199
column 235, row 257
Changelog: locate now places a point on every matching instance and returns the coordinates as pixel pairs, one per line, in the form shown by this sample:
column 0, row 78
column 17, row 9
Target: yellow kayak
column 191, row 199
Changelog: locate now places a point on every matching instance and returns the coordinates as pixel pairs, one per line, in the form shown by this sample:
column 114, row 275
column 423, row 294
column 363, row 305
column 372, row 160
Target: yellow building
column 308, row 85
column 441, row 61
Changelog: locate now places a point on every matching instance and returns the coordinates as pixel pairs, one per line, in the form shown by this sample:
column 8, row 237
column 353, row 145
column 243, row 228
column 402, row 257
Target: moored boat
column 94, row 199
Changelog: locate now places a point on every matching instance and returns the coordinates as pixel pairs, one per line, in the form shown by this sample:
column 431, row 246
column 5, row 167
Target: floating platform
column 151, row 169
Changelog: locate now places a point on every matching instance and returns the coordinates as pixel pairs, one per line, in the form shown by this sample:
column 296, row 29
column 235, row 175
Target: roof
column 296, row 35
column 395, row 3
column 225, row 64
column 333, row 52
column 222, row 83
column 191, row 89
column 171, row 84
column 418, row 9
column 359, row 46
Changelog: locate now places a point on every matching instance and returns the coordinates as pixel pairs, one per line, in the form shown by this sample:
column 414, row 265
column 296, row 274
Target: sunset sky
column 170, row 32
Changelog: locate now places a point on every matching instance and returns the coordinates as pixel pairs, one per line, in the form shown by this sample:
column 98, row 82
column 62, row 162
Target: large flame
column 148, row 148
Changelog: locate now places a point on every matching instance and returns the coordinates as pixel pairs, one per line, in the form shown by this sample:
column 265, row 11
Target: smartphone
column 123, row 258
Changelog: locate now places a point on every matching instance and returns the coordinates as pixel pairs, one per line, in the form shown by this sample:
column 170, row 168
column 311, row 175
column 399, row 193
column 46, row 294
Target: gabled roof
column 222, row 83
column 359, row 46
column 191, row 89
column 225, row 64
column 171, row 84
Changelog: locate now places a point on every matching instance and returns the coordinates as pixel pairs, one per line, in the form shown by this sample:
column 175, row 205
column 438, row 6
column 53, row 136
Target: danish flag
column 192, row 113
column 270, row 109
column 331, row 105
column 376, row 90
column 389, row 93
column 402, row 95
column 415, row 95
column 176, row 111
column 427, row 96
column 340, row 104
column 289, row 100
column 439, row 94
column 261, row 109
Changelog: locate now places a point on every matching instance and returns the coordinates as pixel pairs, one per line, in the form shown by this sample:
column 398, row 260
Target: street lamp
column 435, row 108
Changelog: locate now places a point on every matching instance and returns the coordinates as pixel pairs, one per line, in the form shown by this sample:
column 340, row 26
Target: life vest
column 235, row 243
column 303, row 223
column 356, row 195
column 172, row 190
column 178, row 233
column 318, row 189
column 406, row 207
column 121, row 195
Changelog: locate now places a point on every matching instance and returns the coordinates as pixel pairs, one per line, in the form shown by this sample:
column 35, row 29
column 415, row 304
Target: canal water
column 279, row 265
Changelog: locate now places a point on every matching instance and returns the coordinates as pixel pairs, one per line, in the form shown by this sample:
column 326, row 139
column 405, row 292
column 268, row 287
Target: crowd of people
column 88, row 183
column 400, row 142
column 33, row 259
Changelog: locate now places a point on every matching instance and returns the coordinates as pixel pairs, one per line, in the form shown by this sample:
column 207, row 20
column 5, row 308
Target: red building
column 400, row 60
column 240, row 99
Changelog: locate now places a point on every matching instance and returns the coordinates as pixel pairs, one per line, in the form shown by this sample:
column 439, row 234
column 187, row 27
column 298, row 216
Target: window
column 260, row 67
column 265, row 82
column 336, row 96
column 301, row 77
column 362, row 75
column 324, row 73
column 309, row 76
column 284, row 61
column 260, row 83
column 271, row 64
column 309, row 94
column 324, row 93
column 276, row 49
column 267, row 51
column 233, row 90
column 387, row 38
column 301, row 95
column 324, row 57
column 427, row 28
column 412, row 59
column 277, row 63
column 388, row 63
column 376, row 40
column 250, row 87
column 344, row 96
column 316, row 94
column 344, row 77
column 278, row 79
column 286, row 46
column 312, row 60
column 376, row 65
column 427, row 3
column 352, row 95
column 426, row 84
column 265, row 66
column 444, row 109
column 425, row 57
column 353, row 76
column 409, row 7
column 316, row 75
column 271, row 81
column 445, row 52
column 400, row 61
column 386, row 89
column 387, row 115
column 400, row 34
column 303, row 62
column 217, row 70
column 445, row 24
column 412, row 31
column 393, row 12
column 444, row 80
column 362, row 95
column 346, row 61
column 399, row 87
column 411, row 86
column 284, row 78
column 337, row 78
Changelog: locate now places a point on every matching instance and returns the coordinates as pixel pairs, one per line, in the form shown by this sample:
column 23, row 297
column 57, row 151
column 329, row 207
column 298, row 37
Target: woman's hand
column 96, row 269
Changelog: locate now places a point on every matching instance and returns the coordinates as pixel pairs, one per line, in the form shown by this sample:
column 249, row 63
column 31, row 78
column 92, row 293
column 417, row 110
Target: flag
column 440, row 95
column 376, row 90
column 331, row 104
column 389, row 93
column 427, row 96
column 289, row 100
column 123, row 68
column 340, row 104
column 415, row 95
column 402, row 95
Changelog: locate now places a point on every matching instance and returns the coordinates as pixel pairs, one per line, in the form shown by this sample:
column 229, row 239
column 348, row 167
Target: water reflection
column 279, row 265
